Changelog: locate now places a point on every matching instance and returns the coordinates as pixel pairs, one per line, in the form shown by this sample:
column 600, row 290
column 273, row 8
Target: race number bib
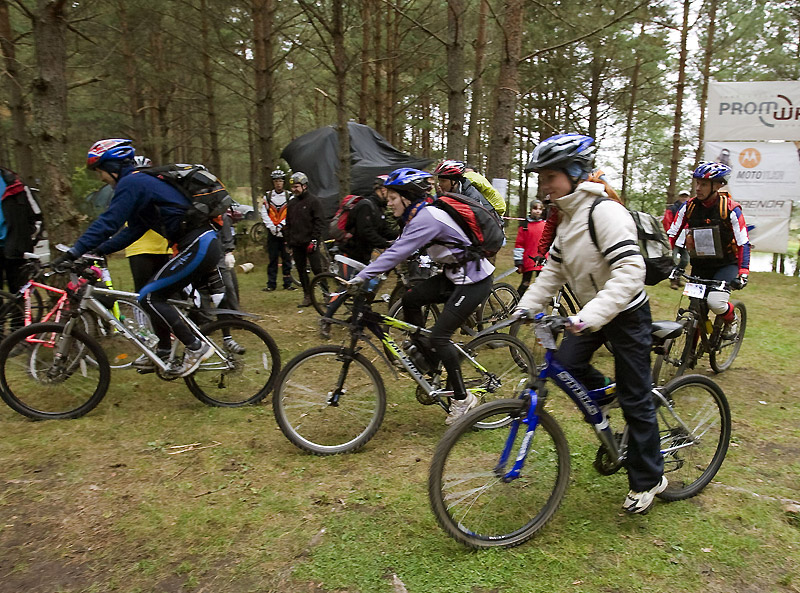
column 695, row 291
column 704, row 242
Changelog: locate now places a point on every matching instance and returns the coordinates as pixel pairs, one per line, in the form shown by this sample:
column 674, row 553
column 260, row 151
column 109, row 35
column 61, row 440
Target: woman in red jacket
column 527, row 245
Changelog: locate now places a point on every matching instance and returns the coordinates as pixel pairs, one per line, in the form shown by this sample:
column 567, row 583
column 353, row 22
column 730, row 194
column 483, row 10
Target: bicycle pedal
column 146, row 371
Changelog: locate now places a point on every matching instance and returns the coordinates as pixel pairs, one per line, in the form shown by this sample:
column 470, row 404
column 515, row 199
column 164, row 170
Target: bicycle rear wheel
column 12, row 316
column 248, row 372
column 46, row 374
column 695, row 431
column 467, row 494
column 730, row 341
column 503, row 368
column 258, row 232
column 303, row 407
column 673, row 361
column 497, row 306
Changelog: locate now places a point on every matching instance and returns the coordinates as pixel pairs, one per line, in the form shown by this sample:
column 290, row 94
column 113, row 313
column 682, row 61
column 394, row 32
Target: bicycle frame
column 697, row 320
column 57, row 309
column 365, row 318
column 587, row 401
column 90, row 303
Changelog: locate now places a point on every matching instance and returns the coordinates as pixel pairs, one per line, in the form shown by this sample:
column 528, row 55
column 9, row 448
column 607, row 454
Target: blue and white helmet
column 412, row 183
column 714, row 171
column 571, row 153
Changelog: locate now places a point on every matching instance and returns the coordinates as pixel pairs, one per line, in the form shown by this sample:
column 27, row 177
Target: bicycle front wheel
column 730, row 341
column 329, row 400
column 501, row 367
column 695, row 431
column 46, row 374
column 323, row 287
column 468, row 495
column 248, row 371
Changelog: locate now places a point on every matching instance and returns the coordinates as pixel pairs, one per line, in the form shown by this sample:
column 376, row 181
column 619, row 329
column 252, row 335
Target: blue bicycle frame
column 586, row 400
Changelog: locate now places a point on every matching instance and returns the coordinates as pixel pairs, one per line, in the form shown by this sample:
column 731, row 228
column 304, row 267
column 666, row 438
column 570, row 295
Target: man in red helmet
column 143, row 202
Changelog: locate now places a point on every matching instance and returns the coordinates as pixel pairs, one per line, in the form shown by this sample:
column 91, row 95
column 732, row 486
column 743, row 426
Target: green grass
column 100, row 504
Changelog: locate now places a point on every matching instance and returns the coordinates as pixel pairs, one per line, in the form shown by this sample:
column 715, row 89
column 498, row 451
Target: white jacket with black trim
column 606, row 281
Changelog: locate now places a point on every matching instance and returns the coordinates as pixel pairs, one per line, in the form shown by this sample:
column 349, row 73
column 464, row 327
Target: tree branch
column 78, row 83
column 399, row 11
column 584, row 36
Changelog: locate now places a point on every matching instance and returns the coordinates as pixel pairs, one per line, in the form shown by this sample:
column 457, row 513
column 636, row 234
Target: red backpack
column 483, row 227
column 337, row 230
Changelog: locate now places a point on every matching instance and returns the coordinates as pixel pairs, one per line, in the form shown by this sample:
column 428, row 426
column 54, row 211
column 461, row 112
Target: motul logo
column 749, row 158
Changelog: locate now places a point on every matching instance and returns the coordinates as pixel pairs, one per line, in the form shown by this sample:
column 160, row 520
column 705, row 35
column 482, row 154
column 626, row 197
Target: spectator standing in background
column 679, row 254
column 305, row 225
column 20, row 224
column 274, row 206
column 526, row 247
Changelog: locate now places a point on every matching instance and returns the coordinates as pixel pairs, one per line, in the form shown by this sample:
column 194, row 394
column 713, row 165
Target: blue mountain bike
column 499, row 487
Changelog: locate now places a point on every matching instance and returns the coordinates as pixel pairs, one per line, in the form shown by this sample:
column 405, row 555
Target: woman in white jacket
column 607, row 276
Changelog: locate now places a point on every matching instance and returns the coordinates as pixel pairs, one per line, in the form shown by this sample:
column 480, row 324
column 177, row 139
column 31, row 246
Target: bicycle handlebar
column 719, row 284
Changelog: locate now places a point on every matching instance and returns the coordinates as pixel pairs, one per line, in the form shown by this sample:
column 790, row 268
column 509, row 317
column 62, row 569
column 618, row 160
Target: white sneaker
column 640, row 502
column 459, row 407
column 233, row 346
column 191, row 361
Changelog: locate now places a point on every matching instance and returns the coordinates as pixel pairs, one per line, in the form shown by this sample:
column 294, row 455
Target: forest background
column 230, row 82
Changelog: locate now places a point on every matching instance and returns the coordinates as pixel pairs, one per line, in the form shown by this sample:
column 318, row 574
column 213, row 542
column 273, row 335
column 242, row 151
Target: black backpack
column 482, row 226
column 653, row 244
column 209, row 198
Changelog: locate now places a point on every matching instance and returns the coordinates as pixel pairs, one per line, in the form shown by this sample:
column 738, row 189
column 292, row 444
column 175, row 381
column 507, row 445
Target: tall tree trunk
column 629, row 120
column 426, row 130
column 505, row 93
column 16, row 101
column 393, row 76
column 254, row 178
column 263, row 49
column 474, row 136
column 680, row 90
column 596, row 85
column 215, row 163
column 50, row 117
column 160, row 99
column 455, row 80
column 134, row 88
column 706, row 74
column 366, row 64
column 380, row 74
column 340, row 70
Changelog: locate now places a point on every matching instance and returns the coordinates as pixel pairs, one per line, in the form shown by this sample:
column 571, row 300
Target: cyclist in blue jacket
column 143, row 202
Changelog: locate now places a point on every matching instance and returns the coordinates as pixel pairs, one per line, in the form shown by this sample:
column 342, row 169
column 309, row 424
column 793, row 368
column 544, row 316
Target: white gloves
column 230, row 260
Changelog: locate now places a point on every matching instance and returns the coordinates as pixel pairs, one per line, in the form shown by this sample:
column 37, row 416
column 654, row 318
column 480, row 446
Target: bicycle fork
column 531, row 420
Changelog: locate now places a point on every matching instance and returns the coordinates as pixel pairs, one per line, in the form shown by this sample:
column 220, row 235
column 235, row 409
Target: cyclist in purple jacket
column 463, row 285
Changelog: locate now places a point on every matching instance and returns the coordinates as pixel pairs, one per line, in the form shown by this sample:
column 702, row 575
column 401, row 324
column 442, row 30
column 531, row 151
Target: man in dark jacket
column 20, row 222
column 369, row 225
column 143, row 202
column 305, row 224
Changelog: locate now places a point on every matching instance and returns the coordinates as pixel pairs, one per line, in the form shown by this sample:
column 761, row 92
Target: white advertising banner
column 753, row 111
column 765, row 180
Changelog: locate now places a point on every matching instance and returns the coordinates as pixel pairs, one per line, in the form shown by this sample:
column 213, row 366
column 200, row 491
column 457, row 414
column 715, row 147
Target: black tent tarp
column 316, row 155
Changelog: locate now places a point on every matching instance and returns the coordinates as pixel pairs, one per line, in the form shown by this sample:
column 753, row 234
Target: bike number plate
column 695, row 291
